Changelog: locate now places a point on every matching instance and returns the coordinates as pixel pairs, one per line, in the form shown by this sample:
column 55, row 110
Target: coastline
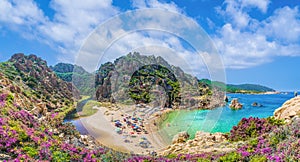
column 154, row 122
column 101, row 127
column 256, row 93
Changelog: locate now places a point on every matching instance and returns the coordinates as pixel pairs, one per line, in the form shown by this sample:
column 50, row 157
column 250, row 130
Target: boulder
column 180, row 137
column 226, row 99
column 210, row 137
column 288, row 110
column 203, row 142
column 235, row 104
column 255, row 104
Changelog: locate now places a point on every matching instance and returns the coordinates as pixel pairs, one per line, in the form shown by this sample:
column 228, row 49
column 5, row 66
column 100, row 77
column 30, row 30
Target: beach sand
column 101, row 127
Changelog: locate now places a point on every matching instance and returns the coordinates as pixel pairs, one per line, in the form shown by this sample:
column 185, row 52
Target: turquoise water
column 222, row 119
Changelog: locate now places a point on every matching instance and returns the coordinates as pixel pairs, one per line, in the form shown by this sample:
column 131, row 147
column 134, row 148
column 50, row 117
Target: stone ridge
column 112, row 81
column 288, row 110
column 38, row 76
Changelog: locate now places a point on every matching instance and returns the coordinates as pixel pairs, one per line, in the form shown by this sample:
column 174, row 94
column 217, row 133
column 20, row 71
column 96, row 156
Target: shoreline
column 101, row 126
column 256, row 93
column 106, row 134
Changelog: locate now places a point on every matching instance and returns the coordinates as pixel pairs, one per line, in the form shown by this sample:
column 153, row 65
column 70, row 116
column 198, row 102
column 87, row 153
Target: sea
column 222, row 119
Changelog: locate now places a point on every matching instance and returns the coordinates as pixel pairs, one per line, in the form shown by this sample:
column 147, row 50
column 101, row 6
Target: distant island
column 240, row 88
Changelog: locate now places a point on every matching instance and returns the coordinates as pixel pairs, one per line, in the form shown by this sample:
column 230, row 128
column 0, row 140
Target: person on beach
column 295, row 93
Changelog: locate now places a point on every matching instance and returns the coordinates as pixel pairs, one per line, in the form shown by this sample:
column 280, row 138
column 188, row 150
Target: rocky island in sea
column 120, row 111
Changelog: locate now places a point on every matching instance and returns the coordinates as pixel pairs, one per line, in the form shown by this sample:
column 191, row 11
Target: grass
column 88, row 110
column 83, row 98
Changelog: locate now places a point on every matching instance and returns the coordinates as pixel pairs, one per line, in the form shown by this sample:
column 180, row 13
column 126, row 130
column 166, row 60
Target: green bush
column 232, row 157
column 32, row 152
column 10, row 98
column 258, row 158
column 171, row 156
column 274, row 121
column 203, row 160
column 60, row 156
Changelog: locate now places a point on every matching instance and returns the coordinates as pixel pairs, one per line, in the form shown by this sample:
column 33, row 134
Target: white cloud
column 141, row 4
column 284, row 25
column 235, row 11
column 246, row 42
column 73, row 21
column 260, row 4
column 20, row 12
column 154, row 32
column 243, row 40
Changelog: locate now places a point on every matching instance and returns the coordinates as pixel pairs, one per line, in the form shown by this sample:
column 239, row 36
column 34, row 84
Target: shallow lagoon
column 221, row 119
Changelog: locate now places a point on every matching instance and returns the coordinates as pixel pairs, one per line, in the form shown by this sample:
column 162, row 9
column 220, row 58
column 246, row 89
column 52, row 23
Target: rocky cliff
column 31, row 76
column 137, row 78
column 82, row 80
column 288, row 110
column 202, row 143
column 33, row 102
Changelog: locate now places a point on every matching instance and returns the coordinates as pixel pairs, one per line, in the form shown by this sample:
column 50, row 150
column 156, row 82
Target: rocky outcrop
column 29, row 120
column 288, row 110
column 180, row 137
column 35, row 73
column 235, row 104
column 113, row 80
column 255, row 104
column 34, row 87
column 203, row 142
column 77, row 75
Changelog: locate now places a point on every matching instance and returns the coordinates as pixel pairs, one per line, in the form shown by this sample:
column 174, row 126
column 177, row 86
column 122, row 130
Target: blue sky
column 258, row 40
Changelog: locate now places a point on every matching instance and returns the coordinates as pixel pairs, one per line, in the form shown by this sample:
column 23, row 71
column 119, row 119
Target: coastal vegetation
column 81, row 79
column 241, row 88
column 34, row 102
column 89, row 108
column 143, row 79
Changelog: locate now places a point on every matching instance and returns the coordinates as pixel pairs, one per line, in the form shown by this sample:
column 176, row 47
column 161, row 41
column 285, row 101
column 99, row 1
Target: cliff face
column 31, row 130
column 38, row 76
column 135, row 78
column 33, row 103
column 82, row 80
column 288, row 110
column 31, row 76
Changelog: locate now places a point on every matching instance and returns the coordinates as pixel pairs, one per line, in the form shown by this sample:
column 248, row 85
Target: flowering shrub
column 22, row 137
column 281, row 144
column 205, row 157
column 2, row 100
column 252, row 127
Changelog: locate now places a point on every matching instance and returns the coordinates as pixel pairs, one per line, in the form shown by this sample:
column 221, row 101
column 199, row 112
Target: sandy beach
column 139, row 136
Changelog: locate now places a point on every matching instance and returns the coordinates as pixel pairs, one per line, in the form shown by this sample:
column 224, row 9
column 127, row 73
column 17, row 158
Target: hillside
column 33, row 103
column 136, row 78
column 241, row 88
column 82, row 80
column 115, row 82
column 34, row 73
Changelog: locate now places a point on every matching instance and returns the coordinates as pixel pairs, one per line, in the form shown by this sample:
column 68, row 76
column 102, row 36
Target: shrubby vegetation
column 265, row 140
column 27, row 137
column 242, row 88
column 24, row 138
column 142, row 80
column 83, row 80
